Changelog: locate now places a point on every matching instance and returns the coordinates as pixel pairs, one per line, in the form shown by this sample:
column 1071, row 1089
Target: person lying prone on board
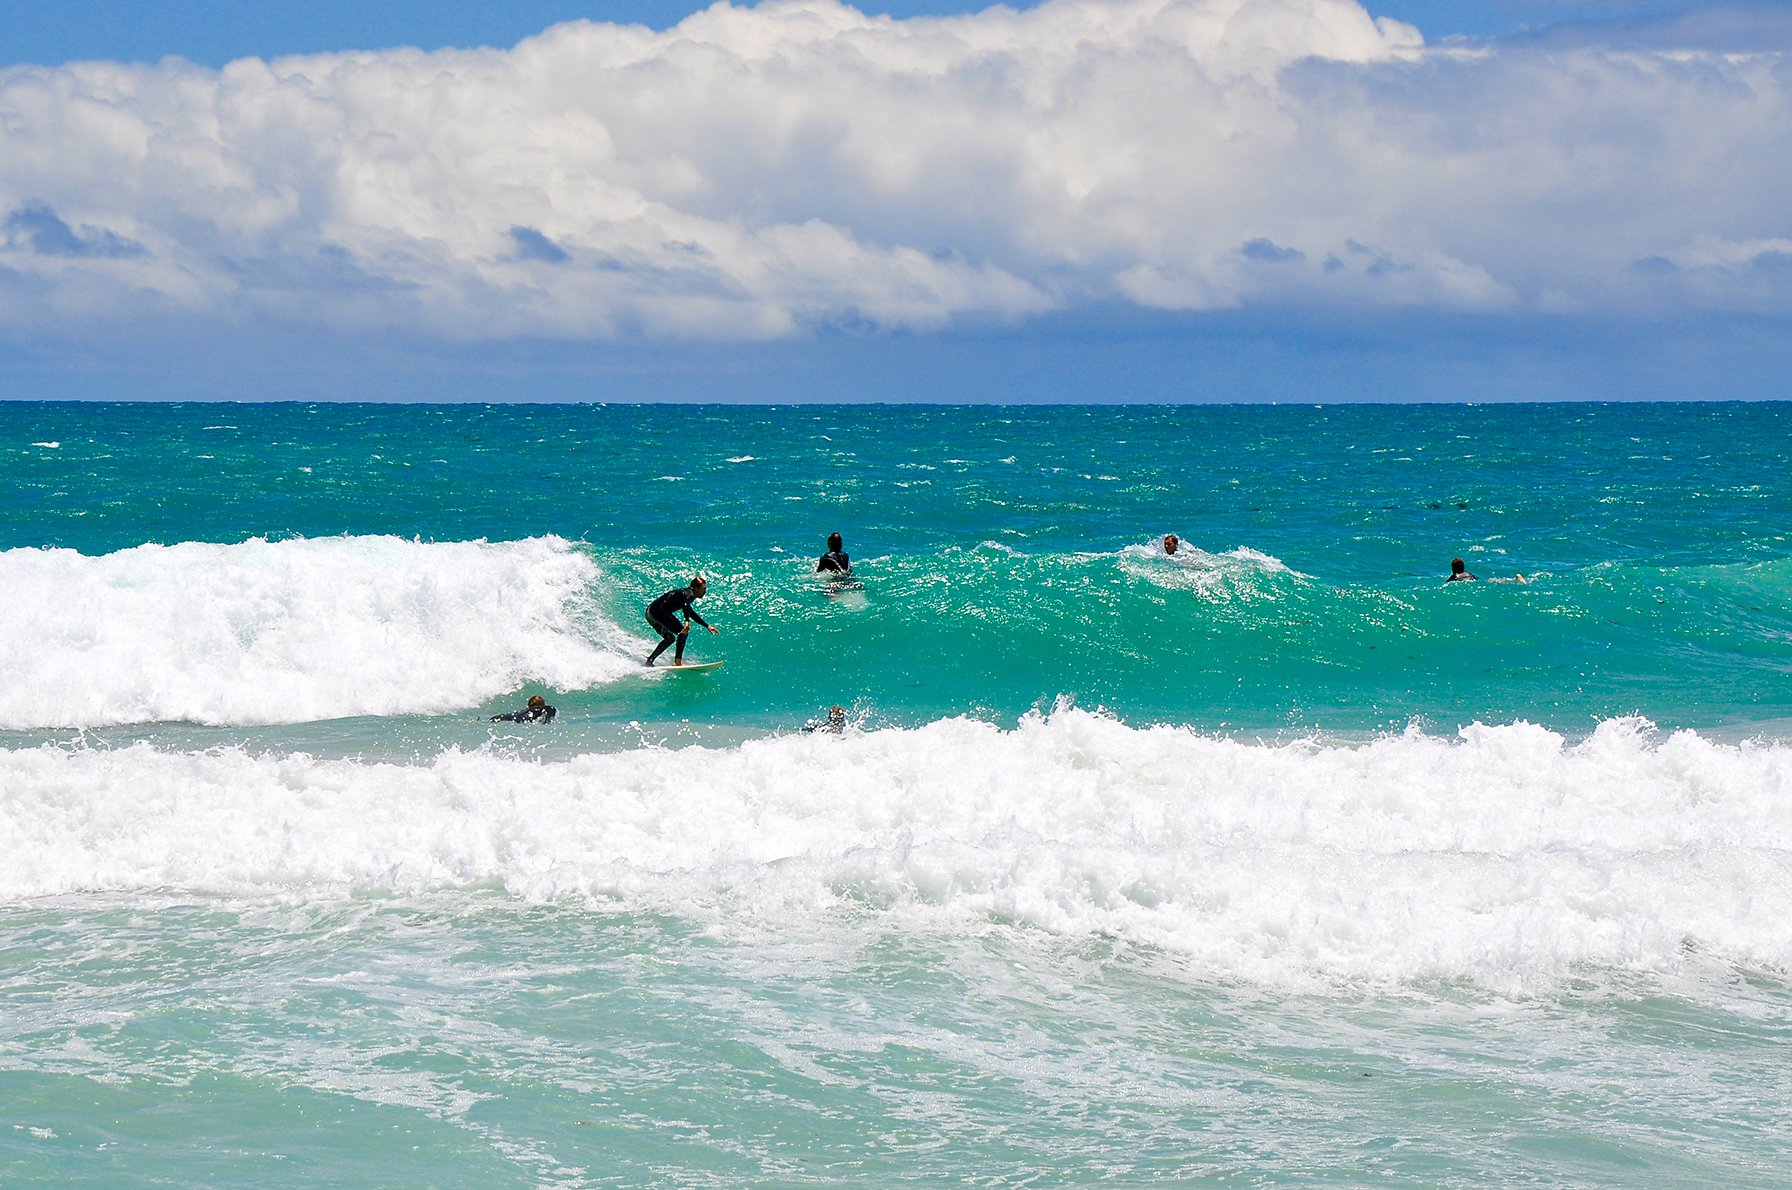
column 1459, row 573
column 538, row 711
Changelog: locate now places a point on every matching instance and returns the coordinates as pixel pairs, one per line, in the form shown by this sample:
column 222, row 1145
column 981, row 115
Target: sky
column 214, row 32
column 1109, row 200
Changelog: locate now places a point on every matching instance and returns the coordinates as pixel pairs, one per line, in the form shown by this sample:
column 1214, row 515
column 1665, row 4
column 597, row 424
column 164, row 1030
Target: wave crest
column 292, row 631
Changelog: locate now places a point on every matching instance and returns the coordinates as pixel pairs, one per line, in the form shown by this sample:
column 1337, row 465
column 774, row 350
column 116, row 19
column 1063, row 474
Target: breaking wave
column 293, row 631
column 1503, row 855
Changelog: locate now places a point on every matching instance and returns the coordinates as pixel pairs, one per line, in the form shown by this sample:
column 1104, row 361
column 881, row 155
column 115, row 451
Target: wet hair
column 536, row 700
column 700, row 581
column 1171, row 541
column 833, row 541
column 1457, row 566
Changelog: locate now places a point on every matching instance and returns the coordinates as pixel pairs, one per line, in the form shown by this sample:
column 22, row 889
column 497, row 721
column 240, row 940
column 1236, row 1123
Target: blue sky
column 213, row 32
column 1126, row 200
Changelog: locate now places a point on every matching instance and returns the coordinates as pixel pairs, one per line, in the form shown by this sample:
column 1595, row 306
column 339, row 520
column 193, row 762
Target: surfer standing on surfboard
column 662, row 614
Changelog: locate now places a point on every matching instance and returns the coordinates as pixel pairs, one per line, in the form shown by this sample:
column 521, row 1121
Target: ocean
column 1278, row 861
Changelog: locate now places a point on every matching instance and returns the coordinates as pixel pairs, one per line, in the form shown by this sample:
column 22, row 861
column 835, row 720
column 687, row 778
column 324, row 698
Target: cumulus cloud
column 757, row 173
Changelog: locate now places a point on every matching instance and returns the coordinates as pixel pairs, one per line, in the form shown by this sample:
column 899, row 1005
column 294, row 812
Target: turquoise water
column 1276, row 862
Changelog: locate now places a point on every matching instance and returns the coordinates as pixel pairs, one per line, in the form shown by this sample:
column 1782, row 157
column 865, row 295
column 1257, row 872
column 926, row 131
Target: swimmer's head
column 698, row 585
column 833, row 541
column 1170, row 544
column 536, row 700
column 1457, row 566
column 836, row 714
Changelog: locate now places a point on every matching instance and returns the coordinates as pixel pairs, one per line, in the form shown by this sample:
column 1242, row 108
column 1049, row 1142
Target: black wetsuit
column 835, row 560
column 662, row 613
column 527, row 715
column 1463, row 576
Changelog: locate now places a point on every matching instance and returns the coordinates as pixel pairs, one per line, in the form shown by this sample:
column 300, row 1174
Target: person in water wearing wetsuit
column 1170, row 543
column 1459, row 574
column 538, row 711
column 662, row 614
column 835, row 560
column 834, row 724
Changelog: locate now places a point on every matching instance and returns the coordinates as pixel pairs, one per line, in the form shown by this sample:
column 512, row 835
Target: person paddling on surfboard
column 538, row 711
column 1459, row 573
column 835, row 560
column 662, row 614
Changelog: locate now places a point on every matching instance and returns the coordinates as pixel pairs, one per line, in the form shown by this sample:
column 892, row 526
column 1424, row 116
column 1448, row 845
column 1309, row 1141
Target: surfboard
column 690, row 667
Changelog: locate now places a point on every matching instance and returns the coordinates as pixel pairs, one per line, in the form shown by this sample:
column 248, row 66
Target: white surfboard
column 689, row 667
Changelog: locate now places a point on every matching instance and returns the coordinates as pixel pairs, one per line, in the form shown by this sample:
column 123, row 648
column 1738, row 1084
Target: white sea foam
column 1219, row 578
column 292, row 631
column 1504, row 855
column 1189, row 556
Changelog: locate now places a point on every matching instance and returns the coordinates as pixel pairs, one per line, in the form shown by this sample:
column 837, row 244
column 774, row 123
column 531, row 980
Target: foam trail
column 292, row 631
column 1503, row 856
column 1241, row 574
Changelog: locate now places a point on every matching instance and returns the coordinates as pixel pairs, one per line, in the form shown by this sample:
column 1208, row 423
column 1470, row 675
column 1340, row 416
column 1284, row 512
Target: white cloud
column 754, row 173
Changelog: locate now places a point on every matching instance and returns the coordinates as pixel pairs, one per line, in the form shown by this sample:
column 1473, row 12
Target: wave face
column 1503, row 856
column 263, row 633
column 291, row 631
column 1005, row 557
column 1236, row 640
